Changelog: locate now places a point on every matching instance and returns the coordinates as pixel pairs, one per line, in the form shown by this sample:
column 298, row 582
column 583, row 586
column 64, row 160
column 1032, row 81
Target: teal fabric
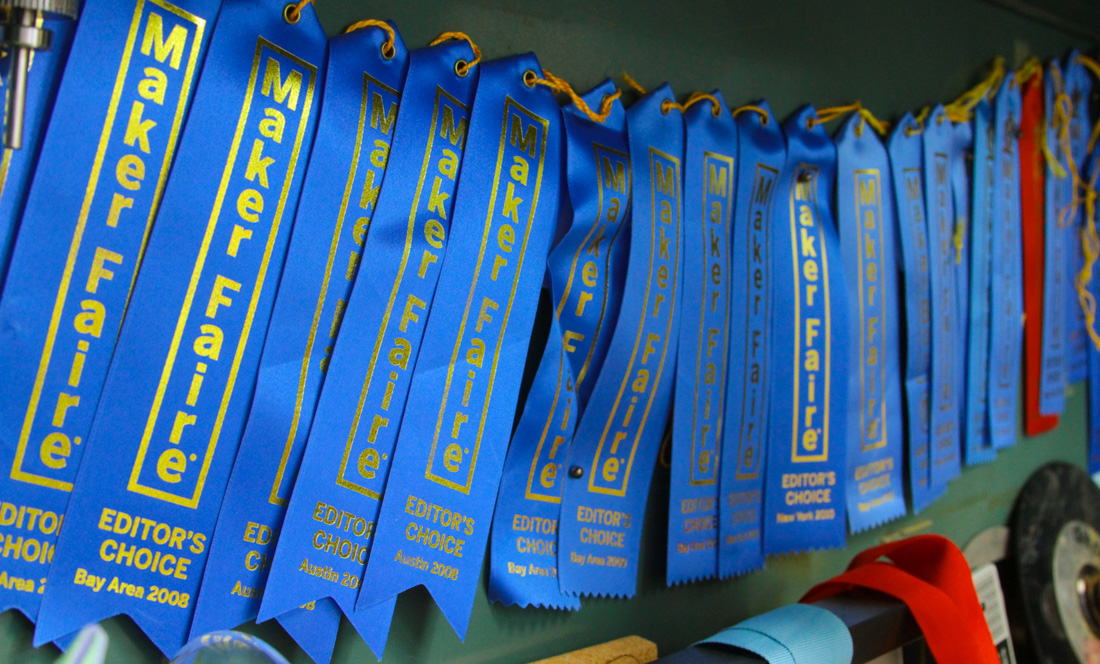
column 793, row 634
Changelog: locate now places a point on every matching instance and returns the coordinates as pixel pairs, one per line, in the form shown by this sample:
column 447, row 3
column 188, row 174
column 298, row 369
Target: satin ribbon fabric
column 156, row 463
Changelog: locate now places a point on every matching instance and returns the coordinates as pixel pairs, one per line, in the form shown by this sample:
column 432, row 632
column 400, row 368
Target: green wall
column 893, row 57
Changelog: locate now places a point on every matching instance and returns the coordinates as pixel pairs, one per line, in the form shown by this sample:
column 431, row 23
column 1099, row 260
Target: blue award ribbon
column 945, row 392
column 1078, row 85
column 524, row 545
column 962, row 160
column 1006, row 291
column 331, row 518
column 865, row 218
column 596, row 235
column 761, row 153
column 1057, row 194
column 151, row 484
column 362, row 94
column 904, row 147
column 710, row 153
column 17, row 167
column 808, row 434
column 976, row 428
column 586, row 276
column 438, row 506
column 1091, row 173
column 615, row 446
column 120, row 109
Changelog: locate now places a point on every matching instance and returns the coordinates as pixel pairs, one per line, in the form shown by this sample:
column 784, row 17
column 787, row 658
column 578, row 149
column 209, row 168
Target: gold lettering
column 285, row 92
column 162, row 49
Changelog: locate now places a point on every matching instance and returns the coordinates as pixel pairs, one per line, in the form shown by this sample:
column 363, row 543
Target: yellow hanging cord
column 960, row 109
column 830, row 113
column 1032, row 68
column 754, row 109
column 559, row 84
column 1090, row 244
column 664, row 455
column 696, row 97
column 1090, row 240
column 1093, row 66
column 918, row 122
column 957, row 240
column 866, row 116
column 958, row 237
column 666, row 105
column 1064, row 117
column 1059, row 120
column 629, row 80
column 389, row 46
column 878, row 125
column 461, row 67
column 292, row 13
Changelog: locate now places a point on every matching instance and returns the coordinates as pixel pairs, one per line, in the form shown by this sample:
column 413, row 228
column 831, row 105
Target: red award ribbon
column 930, row 575
column 1032, row 220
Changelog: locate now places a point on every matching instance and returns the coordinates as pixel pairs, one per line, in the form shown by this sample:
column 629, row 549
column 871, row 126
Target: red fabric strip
column 930, row 575
column 1032, row 176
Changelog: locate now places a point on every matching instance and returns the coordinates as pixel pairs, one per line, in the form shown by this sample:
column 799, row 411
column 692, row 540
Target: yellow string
column 1090, row 63
column 559, row 84
column 664, row 456
column 1031, row 68
column 831, row 113
column 1090, row 240
column 461, row 67
column 957, row 239
column 388, row 46
column 1093, row 66
column 1090, row 244
column 696, row 97
column 960, row 109
column 1059, row 121
column 666, row 105
column 293, row 12
column 754, row 109
column 633, row 83
column 878, row 125
column 918, row 122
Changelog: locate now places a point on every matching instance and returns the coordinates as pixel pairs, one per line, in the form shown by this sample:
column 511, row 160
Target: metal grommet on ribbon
column 462, row 67
column 666, row 105
column 388, row 47
column 292, row 13
column 696, row 97
column 753, row 108
column 793, row 634
column 917, row 126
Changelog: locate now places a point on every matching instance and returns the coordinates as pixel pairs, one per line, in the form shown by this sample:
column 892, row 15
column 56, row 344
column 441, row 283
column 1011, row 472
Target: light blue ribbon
column 793, row 634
